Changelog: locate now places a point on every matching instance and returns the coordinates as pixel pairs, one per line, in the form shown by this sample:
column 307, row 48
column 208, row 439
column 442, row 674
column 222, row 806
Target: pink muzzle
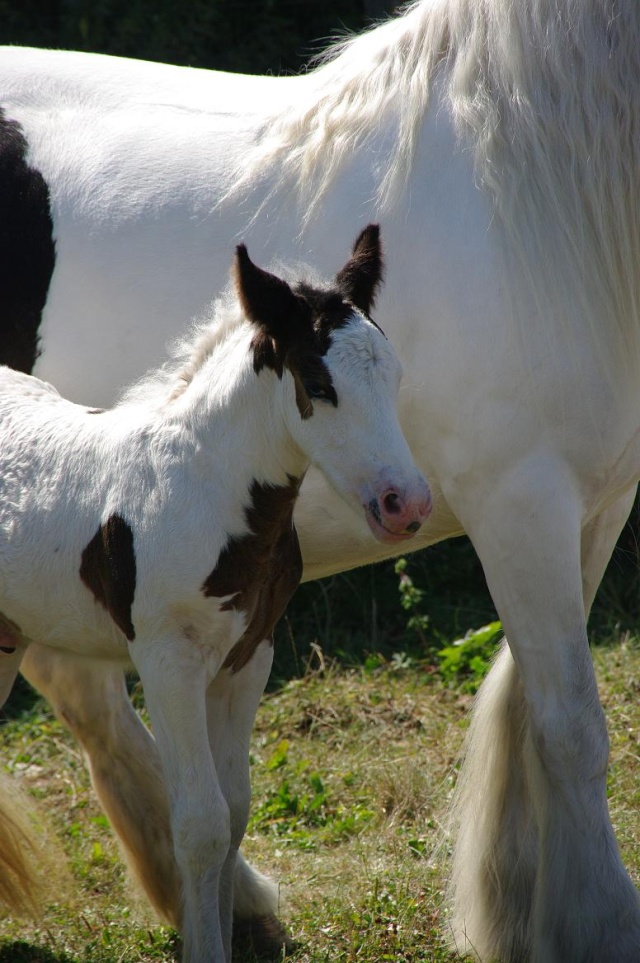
column 395, row 516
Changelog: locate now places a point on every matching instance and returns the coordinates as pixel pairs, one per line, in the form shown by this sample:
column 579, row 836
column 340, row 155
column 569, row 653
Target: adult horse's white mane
column 559, row 151
column 357, row 87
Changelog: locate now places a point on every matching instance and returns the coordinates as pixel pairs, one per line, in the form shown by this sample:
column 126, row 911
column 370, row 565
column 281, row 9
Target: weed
column 300, row 809
column 411, row 599
column 466, row 661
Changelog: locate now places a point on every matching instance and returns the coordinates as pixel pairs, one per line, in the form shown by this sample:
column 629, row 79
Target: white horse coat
column 498, row 143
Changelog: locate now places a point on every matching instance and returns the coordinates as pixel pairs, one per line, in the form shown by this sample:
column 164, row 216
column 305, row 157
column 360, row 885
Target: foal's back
column 57, row 471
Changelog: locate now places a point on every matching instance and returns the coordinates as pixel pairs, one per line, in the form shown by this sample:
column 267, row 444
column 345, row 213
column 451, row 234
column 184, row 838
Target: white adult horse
column 498, row 142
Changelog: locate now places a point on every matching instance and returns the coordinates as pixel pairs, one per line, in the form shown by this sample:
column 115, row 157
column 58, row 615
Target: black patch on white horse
column 260, row 570
column 27, row 250
column 108, row 569
column 296, row 324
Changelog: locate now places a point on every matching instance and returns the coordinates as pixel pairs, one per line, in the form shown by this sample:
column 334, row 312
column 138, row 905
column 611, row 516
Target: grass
column 354, row 759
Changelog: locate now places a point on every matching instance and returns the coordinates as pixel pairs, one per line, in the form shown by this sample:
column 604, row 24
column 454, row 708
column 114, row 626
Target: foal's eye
column 317, row 391
column 320, row 389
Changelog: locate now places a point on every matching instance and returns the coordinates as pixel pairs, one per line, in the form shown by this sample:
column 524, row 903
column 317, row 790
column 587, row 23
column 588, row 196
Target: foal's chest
column 259, row 570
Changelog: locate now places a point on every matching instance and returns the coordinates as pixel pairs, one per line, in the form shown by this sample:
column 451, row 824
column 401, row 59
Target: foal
column 160, row 532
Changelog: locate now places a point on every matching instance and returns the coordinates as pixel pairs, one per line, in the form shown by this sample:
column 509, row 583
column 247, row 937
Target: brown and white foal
column 160, row 532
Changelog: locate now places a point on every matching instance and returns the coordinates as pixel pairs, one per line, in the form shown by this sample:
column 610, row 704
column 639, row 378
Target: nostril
column 392, row 504
column 413, row 527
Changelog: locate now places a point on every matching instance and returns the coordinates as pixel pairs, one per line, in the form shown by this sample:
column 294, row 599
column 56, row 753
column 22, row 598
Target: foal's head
column 343, row 377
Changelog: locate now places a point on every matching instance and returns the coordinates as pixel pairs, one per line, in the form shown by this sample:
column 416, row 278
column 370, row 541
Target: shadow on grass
column 21, row 952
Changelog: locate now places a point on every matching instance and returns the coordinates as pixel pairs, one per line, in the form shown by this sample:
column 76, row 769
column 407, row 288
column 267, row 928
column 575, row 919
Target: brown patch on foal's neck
column 259, row 570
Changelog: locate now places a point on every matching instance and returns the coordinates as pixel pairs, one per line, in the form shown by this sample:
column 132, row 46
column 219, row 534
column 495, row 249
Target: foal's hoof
column 263, row 936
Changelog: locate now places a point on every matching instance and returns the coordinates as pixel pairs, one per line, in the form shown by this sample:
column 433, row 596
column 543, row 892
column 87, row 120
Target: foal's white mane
column 558, row 148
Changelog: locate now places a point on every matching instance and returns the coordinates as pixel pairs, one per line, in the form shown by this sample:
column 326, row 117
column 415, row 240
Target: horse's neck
column 237, row 419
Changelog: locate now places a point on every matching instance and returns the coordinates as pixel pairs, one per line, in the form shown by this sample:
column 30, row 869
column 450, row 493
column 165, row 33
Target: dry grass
column 384, row 746
column 618, row 668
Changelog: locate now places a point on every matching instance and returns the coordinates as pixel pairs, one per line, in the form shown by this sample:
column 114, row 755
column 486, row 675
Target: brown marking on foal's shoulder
column 108, row 569
column 260, row 570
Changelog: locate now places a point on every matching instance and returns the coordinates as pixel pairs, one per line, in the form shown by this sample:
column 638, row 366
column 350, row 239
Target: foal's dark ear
column 265, row 298
column 361, row 276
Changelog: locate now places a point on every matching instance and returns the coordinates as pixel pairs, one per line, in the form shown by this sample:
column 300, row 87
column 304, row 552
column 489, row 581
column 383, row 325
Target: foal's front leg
column 175, row 675
column 232, row 703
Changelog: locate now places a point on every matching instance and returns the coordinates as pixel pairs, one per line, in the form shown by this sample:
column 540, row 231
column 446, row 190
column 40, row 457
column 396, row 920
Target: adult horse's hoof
column 264, row 936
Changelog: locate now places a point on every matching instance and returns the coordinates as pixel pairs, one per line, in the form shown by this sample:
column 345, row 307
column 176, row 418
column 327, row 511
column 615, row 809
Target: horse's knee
column 202, row 837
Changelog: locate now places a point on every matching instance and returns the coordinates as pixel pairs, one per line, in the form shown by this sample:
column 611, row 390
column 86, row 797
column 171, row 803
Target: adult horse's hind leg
column 125, row 770
column 537, row 876
column 92, row 700
column 21, row 885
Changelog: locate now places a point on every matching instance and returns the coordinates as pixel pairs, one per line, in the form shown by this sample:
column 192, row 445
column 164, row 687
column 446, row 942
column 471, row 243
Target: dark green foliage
column 251, row 36
column 437, row 595
column 466, row 661
column 374, row 610
column 617, row 604
column 21, row 952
